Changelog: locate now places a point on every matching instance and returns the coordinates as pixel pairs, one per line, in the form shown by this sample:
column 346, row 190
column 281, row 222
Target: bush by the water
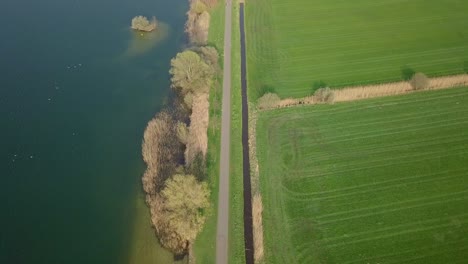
column 197, row 27
column 190, row 73
column 161, row 151
column 211, row 56
column 207, row 3
column 143, row 24
column 184, row 205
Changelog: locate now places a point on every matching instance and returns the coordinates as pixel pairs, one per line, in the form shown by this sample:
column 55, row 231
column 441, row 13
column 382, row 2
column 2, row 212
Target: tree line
column 175, row 141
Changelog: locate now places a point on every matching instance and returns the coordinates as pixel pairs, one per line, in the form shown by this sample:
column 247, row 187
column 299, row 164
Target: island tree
column 142, row 23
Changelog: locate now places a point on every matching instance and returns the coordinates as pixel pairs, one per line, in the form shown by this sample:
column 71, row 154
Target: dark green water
column 76, row 91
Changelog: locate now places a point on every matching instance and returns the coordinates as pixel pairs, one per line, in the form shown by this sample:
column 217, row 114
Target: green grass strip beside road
column 205, row 245
column 236, row 203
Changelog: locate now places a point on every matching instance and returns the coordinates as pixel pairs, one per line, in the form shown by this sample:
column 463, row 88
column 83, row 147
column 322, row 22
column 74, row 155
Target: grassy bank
column 205, row 245
column 236, row 224
column 373, row 181
column 294, row 44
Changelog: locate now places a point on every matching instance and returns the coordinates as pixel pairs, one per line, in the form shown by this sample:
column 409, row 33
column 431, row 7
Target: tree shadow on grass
column 264, row 89
column 407, row 73
column 317, row 85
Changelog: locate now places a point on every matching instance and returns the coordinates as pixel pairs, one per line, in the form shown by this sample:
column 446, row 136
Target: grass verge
column 236, row 225
column 205, row 245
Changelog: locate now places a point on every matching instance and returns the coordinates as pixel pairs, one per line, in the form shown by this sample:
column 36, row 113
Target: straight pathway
column 223, row 196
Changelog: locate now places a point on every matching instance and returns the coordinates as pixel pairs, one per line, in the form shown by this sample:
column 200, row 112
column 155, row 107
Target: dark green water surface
column 77, row 88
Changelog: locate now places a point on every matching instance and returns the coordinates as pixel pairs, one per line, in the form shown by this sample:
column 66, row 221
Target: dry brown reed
column 257, row 207
column 197, row 27
column 379, row 90
column 197, row 140
column 158, row 147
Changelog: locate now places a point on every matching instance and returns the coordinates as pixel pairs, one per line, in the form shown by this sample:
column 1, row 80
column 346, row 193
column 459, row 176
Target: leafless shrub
column 197, row 138
column 268, row 101
column 160, row 151
column 182, row 132
column 197, row 27
column 419, row 81
column 324, row 95
column 379, row 90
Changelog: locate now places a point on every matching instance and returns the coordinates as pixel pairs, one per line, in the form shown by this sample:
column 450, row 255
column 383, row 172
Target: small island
column 141, row 23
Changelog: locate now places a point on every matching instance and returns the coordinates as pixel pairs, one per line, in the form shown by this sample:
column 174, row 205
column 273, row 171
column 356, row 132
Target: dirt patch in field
column 379, row 90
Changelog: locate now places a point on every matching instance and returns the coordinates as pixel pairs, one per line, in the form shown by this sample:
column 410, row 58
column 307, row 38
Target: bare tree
column 324, row 95
column 197, row 27
column 419, row 81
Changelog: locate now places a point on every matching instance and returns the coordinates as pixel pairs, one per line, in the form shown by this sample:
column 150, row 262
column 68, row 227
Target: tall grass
column 380, row 90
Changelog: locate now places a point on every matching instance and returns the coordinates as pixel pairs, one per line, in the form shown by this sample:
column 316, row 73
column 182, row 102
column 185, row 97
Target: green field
column 372, row 181
column 292, row 44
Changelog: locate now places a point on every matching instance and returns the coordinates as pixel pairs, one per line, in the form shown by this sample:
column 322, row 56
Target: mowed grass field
column 292, row 44
column 373, row 181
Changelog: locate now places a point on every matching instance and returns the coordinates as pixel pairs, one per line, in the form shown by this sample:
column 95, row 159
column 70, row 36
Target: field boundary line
column 354, row 93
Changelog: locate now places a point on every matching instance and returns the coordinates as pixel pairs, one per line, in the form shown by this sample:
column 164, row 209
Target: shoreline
column 175, row 139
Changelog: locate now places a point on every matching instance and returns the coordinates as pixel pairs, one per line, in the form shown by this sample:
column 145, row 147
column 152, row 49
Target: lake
column 77, row 88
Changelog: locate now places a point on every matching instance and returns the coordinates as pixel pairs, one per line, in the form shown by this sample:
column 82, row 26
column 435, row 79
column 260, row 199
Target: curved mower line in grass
column 389, row 187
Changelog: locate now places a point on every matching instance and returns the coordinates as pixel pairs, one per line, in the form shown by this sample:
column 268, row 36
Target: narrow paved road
column 223, row 197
